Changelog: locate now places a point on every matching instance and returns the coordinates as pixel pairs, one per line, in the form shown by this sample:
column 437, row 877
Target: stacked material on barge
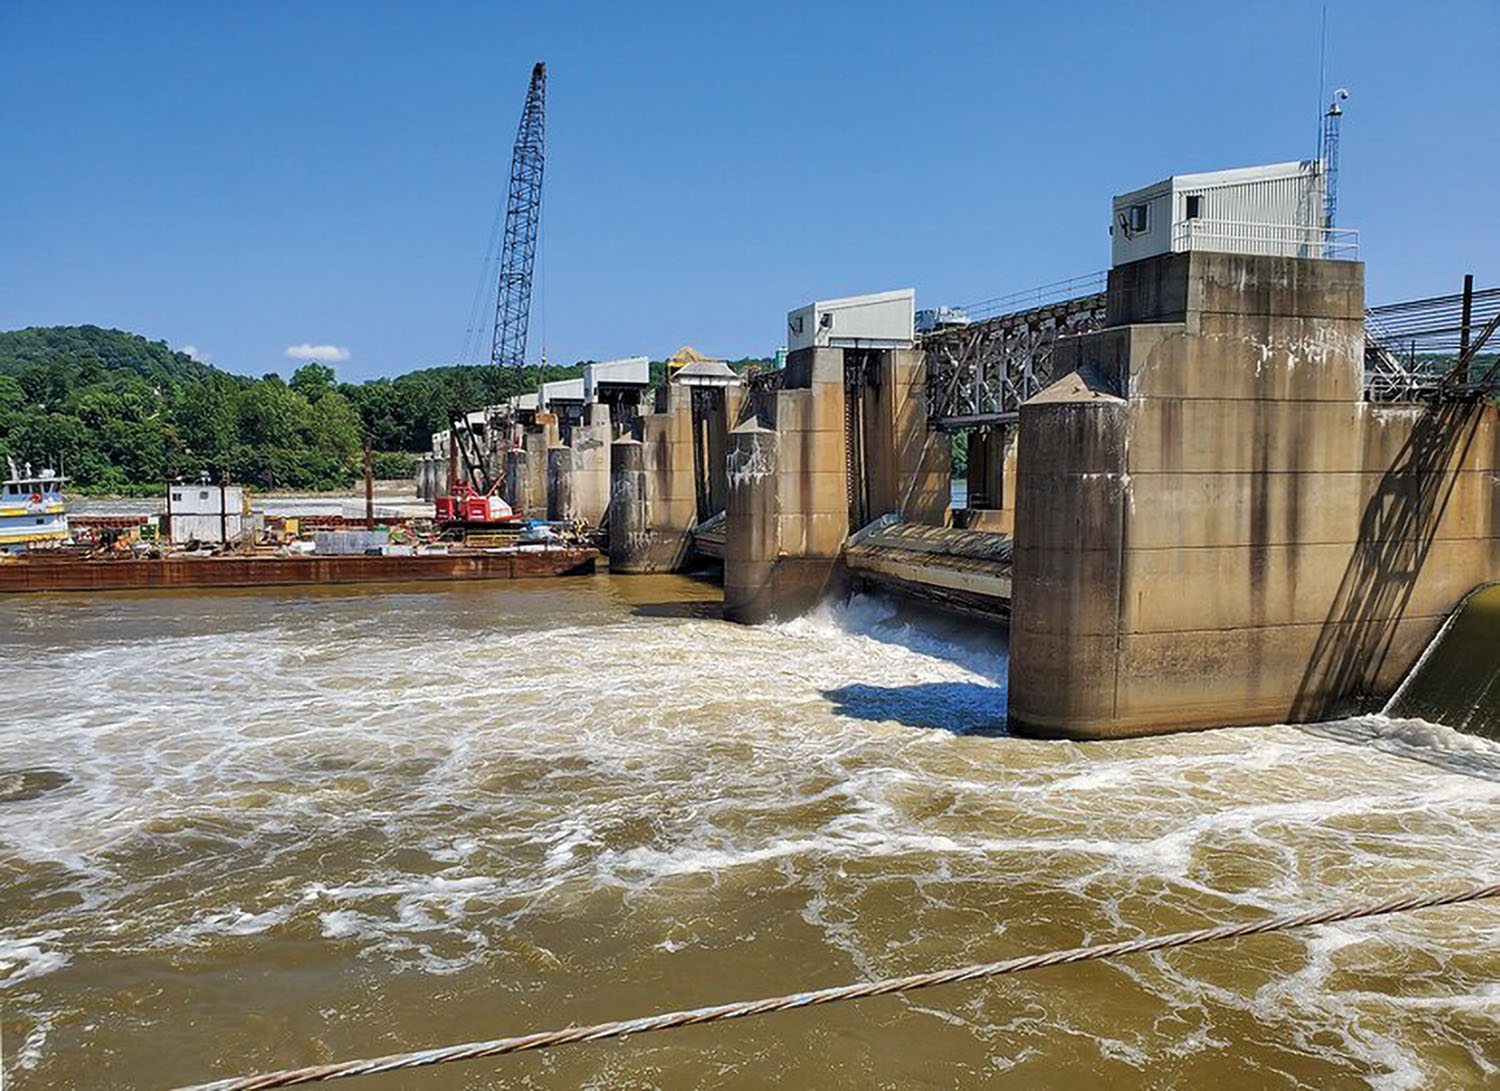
column 59, row 571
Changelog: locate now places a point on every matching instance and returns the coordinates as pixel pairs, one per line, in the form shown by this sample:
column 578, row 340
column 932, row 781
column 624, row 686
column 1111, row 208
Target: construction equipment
column 682, row 357
column 523, row 213
column 468, row 507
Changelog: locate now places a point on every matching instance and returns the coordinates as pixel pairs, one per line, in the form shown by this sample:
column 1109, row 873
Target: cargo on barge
column 38, row 572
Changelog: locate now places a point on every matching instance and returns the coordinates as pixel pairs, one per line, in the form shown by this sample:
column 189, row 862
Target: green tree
column 312, row 381
column 125, row 412
column 271, row 414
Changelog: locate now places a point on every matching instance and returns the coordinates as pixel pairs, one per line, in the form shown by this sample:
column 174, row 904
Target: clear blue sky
column 247, row 177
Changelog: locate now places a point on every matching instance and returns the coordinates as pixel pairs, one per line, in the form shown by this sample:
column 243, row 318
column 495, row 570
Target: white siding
column 205, row 528
column 204, row 500
column 1127, row 245
column 879, row 320
column 1278, row 196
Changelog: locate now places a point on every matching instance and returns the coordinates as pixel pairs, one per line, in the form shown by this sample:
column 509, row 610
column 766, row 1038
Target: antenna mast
column 1331, row 156
column 523, row 212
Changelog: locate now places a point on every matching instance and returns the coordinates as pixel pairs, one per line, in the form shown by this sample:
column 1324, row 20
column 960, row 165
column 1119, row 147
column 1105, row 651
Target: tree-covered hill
column 124, row 413
column 73, row 356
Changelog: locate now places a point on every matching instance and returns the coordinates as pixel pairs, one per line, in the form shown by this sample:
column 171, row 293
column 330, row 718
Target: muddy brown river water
column 254, row 830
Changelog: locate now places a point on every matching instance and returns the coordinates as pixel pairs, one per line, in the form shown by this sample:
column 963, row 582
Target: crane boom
column 523, row 213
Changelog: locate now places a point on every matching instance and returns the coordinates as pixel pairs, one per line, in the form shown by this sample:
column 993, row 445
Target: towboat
column 32, row 512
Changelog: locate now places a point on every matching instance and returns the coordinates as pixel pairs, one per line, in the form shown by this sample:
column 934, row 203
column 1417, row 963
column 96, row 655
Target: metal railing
column 1412, row 347
column 1057, row 292
column 1271, row 240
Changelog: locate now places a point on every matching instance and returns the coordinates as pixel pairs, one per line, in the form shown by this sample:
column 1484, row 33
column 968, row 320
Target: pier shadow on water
column 710, row 609
column 961, row 708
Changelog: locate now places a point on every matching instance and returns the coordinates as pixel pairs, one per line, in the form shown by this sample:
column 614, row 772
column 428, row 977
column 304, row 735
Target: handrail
column 1270, row 239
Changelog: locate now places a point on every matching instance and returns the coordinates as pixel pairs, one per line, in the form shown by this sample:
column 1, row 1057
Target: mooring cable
column 667, row 1020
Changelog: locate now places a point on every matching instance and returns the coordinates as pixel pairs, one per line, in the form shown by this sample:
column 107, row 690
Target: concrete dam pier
column 843, row 442
column 1213, row 527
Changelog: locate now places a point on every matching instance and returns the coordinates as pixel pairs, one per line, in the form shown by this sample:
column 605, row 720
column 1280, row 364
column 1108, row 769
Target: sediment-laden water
column 244, row 831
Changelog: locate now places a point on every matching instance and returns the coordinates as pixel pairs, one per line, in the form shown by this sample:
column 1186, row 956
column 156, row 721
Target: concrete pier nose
column 517, row 481
column 752, row 546
column 630, row 542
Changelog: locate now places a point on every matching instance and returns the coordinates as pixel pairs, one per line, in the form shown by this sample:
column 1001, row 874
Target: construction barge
column 59, row 572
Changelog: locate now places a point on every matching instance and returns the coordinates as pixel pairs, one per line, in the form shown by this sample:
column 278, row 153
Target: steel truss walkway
column 979, row 373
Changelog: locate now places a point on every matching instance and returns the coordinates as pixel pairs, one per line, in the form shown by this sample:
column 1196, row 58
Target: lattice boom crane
column 523, row 213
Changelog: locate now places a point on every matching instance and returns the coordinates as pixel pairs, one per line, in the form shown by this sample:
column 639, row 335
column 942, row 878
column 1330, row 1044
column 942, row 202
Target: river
column 253, row 830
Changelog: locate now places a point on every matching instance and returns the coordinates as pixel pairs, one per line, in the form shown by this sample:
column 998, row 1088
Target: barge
column 59, row 572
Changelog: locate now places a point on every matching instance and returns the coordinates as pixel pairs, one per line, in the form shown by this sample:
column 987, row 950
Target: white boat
column 32, row 512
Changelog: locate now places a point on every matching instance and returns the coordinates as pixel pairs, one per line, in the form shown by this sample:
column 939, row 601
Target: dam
column 774, row 671
column 793, row 736
column 1209, row 490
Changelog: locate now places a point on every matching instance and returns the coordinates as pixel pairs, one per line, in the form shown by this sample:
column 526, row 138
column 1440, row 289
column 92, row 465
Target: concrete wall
column 536, row 442
column 1213, row 528
column 560, row 506
column 517, row 490
column 788, row 512
column 591, row 447
column 910, row 468
column 752, row 540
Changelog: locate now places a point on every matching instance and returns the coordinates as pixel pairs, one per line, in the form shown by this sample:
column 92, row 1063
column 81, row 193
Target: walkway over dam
column 1215, row 493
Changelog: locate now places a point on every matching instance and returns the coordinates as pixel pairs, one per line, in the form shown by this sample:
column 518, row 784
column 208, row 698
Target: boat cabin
column 32, row 512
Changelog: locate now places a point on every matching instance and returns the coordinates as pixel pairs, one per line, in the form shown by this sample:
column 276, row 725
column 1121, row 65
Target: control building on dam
column 1200, row 493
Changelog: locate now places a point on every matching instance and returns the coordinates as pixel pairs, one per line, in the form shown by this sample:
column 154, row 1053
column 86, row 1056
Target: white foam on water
column 25, row 957
column 230, row 922
column 417, row 789
column 1421, row 740
column 878, row 621
column 34, row 1045
column 1422, row 733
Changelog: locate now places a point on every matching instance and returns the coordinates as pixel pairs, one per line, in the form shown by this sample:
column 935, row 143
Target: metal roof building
column 1276, row 209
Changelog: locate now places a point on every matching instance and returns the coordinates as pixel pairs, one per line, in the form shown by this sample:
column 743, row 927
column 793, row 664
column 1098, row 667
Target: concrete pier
column 1212, row 526
column 847, row 442
column 788, row 512
column 535, row 443
column 560, row 507
column 629, row 515
column 590, row 486
column 517, row 489
column 651, row 483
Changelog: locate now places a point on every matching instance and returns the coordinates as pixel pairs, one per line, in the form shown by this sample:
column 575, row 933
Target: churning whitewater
column 247, row 831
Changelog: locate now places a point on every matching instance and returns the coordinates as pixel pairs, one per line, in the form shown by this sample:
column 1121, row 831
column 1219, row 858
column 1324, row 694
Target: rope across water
column 545, row 1039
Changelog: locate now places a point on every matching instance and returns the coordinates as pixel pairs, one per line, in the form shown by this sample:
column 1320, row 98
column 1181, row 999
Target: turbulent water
column 246, row 831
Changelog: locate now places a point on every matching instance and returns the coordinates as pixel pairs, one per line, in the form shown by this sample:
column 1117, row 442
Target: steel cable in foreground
column 496, row 1047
